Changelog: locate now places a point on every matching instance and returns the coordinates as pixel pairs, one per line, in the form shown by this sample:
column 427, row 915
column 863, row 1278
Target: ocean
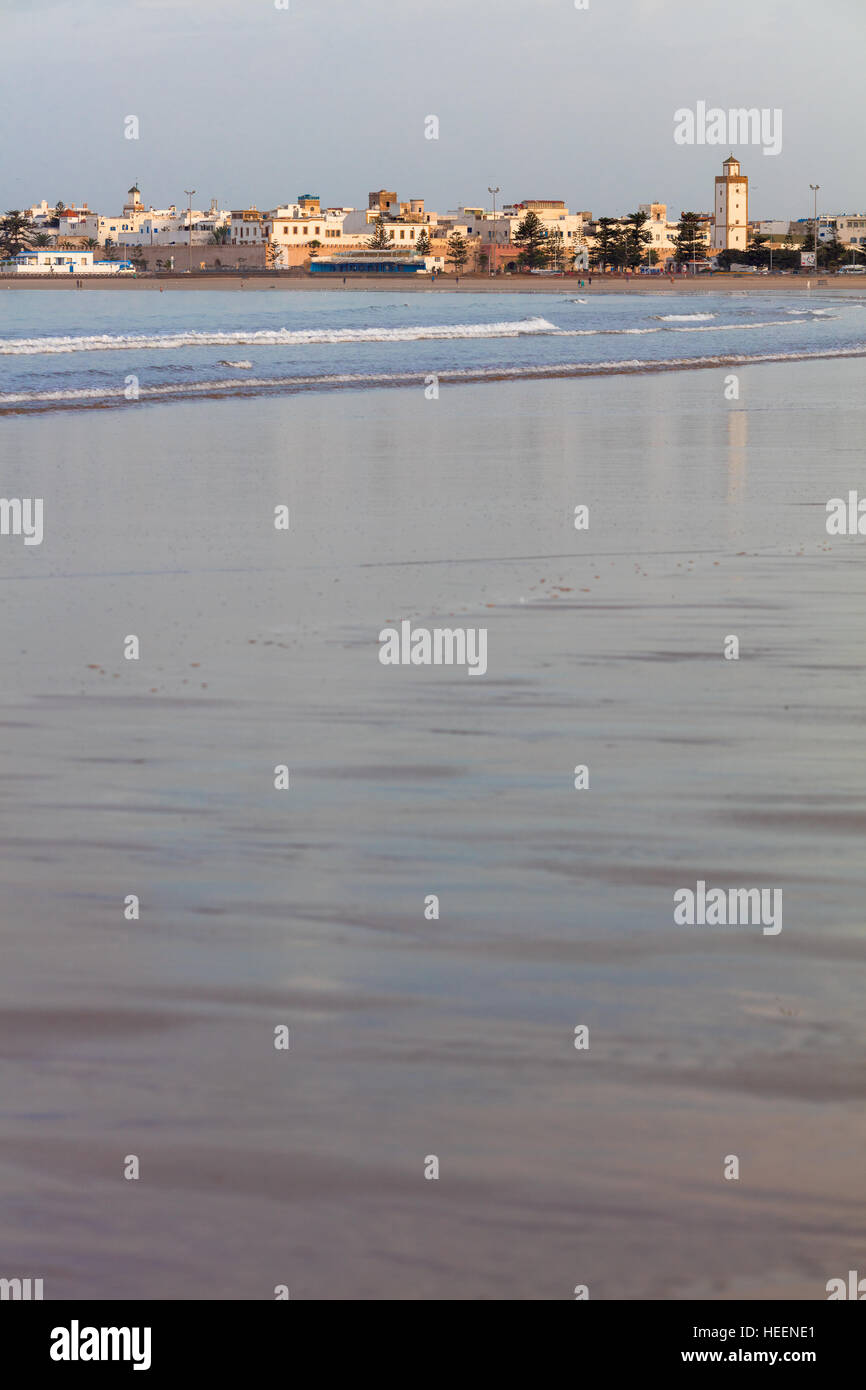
column 450, row 502
column 109, row 348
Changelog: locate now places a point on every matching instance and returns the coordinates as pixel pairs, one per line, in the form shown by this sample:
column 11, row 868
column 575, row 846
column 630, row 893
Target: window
column 285, row 231
column 295, row 231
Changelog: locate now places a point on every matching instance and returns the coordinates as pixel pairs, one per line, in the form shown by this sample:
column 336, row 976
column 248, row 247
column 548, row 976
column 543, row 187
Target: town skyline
column 256, row 89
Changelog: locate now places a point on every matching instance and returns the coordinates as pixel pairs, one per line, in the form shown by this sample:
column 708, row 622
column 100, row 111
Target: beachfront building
column 731, row 208
column 850, row 228
column 662, row 232
column 370, row 261
column 299, row 230
column 54, row 262
column 138, row 225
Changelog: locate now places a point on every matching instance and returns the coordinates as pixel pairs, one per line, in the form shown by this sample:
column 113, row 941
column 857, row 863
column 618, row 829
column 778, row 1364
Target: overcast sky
column 250, row 104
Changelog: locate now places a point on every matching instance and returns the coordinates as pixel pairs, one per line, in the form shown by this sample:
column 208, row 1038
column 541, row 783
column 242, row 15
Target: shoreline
column 267, row 388
column 853, row 286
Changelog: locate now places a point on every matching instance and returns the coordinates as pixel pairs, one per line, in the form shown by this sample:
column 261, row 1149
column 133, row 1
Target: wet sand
column 452, row 1037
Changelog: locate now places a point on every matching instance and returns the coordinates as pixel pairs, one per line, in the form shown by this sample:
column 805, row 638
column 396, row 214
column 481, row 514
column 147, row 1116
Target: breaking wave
column 267, row 337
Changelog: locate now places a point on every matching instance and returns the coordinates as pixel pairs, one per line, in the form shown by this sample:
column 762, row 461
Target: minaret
column 731, row 208
column 133, row 200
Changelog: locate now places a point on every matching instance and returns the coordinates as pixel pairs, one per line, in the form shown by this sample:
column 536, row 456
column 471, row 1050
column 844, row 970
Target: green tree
column 16, row 232
column 380, row 238
column 220, row 235
column 422, row 245
column 607, row 237
column 636, row 237
column 458, row 251
column 42, row 239
column 530, row 238
column 91, row 244
column 832, row 253
column 689, row 241
column 555, row 249
column 757, row 251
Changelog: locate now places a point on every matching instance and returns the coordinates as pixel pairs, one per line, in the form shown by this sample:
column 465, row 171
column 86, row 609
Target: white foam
column 253, row 385
column 267, row 337
column 683, row 317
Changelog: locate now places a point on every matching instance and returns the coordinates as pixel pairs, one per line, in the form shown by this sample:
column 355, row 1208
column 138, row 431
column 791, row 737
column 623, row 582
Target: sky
column 253, row 104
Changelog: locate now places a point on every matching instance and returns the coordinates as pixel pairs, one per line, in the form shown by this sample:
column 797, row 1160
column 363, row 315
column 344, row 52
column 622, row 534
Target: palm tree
column 220, row 235
column 91, row 244
column 42, row 239
column 16, row 232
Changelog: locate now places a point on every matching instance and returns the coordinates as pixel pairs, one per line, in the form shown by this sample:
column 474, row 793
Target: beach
column 849, row 285
column 452, row 1037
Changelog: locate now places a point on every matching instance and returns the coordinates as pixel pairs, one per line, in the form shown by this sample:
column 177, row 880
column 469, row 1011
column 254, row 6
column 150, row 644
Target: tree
column 16, row 232
column 606, row 238
column 42, row 239
column 380, row 239
column 422, row 245
column 110, row 252
column 652, row 256
column 530, row 237
column 832, row 253
column 458, row 251
column 58, row 208
column 756, row 251
column 689, row 244
column 91, row 243
column 636, row 237
column 220, row 235
column 554, row 249
column 314, row 248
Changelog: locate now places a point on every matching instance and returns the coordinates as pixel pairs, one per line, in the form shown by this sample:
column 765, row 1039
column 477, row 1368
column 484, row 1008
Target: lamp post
column 189, row 192
column 814, row 187
column 494, row 191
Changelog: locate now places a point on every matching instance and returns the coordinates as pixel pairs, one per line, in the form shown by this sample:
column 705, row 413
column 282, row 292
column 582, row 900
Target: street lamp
column 494, row 191
column 814, row 187
column 189, row 192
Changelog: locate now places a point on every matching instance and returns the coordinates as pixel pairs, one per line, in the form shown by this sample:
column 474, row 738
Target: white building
column 137, row 225
column 53, row 262
column 731, row 208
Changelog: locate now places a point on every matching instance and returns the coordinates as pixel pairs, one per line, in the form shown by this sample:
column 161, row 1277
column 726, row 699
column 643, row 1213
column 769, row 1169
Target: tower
column 731, row 208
